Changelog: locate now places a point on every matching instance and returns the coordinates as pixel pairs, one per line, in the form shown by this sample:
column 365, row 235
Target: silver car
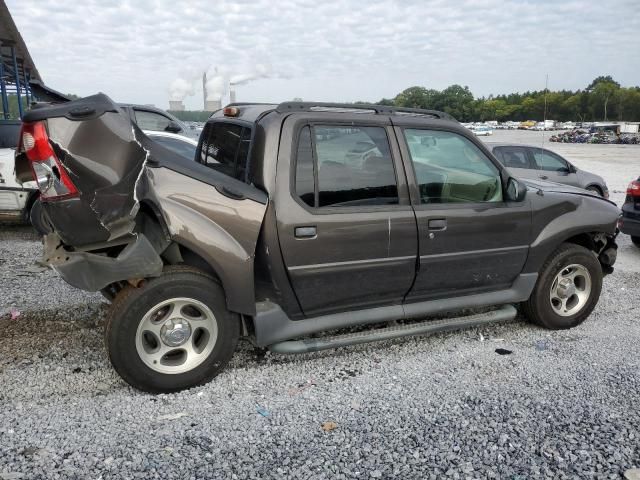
column 528, row 161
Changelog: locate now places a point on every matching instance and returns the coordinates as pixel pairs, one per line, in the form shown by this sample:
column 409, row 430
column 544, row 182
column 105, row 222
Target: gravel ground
column 562, row 405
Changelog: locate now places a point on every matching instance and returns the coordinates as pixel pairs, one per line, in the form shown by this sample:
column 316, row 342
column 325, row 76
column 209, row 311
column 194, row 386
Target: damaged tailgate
column 99, row 148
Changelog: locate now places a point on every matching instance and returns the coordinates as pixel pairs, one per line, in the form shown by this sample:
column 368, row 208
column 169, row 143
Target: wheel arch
column 211, row 249
column 597, row 187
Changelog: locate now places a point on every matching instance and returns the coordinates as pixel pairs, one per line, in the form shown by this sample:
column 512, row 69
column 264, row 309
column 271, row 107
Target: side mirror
column 516, row 190
column 173, row 127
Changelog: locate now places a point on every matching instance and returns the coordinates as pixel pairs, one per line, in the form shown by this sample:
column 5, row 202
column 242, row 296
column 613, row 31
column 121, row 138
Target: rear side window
column 9, row 133
column 225, row 148
column 513, row 157
column 147, row 120
column 339, row 166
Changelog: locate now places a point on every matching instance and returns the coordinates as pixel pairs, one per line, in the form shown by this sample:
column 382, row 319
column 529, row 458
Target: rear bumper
column 629, row 223
column 13, row 200
column 630, row 227
column 93, row 272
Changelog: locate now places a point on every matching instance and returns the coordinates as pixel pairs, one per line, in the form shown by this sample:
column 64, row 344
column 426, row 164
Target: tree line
column 604, row 99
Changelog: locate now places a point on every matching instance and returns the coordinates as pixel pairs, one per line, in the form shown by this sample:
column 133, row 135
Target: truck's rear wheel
column 567, row 289
column 636, row 241
column 172, row 333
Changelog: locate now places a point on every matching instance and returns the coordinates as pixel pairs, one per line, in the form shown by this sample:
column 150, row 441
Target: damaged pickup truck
column 297, row 219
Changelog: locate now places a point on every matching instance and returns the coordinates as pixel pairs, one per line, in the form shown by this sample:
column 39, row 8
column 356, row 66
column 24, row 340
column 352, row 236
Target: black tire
column 38, row 219
column 636, row 241
column 595, row 189
column 538, row 309
column 132, row 304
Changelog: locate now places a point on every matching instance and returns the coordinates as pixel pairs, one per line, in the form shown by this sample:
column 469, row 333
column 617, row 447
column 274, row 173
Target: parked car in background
column 184, row 146
column 629, row 222
column 16, row 199
column 157, row 120
column 528, row 161
column 281, row 235
column 482, row 131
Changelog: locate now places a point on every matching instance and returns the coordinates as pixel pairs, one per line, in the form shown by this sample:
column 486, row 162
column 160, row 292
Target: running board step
column 505, row 312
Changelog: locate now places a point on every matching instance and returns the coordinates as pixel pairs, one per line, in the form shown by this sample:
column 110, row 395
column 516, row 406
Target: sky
column 144, row 51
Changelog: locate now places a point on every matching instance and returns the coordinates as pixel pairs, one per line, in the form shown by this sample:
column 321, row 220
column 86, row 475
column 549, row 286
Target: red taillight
column 52, row 178
column 634, row 189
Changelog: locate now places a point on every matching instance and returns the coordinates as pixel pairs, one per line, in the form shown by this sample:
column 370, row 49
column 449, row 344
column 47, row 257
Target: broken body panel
column 133, row 205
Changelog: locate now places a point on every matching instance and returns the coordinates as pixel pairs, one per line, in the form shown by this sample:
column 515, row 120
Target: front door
column 553, row 168
column 346, row 227
column 471, row 240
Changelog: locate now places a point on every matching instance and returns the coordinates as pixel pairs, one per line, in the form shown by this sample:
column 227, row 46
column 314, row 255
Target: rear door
column 470, row 239
column 553, row 167
column 346, row 227
column 517, row 160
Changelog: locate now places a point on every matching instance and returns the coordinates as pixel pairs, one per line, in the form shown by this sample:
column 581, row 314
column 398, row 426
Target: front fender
column 557, row 217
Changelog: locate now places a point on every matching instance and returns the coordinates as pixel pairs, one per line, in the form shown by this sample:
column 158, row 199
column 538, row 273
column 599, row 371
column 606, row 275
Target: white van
column 16, row 200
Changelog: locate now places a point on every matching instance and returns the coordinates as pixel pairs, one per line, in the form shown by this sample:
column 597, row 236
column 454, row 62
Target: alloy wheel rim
column 570, row 290
column 176, row 335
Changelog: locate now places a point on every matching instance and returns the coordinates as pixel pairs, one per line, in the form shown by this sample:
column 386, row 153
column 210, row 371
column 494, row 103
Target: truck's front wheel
column 172, row 333
column 567, row 290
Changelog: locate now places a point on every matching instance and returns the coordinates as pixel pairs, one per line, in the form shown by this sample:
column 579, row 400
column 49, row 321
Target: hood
column 545, row 186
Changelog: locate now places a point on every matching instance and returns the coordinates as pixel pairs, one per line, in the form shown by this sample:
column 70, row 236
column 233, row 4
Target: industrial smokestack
column 204, row 90
column 176, row 105
column 232, row 94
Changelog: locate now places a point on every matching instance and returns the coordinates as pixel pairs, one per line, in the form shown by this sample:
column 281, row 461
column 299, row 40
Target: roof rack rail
column 247, row 104
column 359, row 108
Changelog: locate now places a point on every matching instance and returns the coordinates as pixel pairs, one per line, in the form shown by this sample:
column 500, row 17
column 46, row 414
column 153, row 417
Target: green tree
column 600, row 79
column 456, row 101
column 417, row 97
column 603, row 92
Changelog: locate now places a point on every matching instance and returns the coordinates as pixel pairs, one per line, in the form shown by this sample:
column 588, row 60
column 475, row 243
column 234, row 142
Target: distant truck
column 16, row 200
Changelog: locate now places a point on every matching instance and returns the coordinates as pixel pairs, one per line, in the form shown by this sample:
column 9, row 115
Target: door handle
column 305, row 232
column 437, row 224
column 544, row 177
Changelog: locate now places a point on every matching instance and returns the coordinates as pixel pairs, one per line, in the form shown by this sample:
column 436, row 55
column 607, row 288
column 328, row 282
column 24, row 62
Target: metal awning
column 17, row 68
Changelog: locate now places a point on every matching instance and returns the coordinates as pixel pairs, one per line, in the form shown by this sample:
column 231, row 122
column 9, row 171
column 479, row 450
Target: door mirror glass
column 516, row 190
column 173, row 127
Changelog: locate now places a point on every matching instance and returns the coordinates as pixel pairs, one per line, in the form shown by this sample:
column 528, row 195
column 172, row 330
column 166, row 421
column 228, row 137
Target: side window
column 549, row 161
column 225, row 148
column 339, row 166
column 451, row 169
column 512, row 157
column 147, row 120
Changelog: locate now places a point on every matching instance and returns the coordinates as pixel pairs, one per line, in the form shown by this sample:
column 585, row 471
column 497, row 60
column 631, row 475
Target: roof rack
column 360, row 108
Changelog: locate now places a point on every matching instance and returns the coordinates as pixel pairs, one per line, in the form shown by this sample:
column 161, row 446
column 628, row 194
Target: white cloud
column 339, row 50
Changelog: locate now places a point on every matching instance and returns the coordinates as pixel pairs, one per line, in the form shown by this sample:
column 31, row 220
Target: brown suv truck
column 301, row 218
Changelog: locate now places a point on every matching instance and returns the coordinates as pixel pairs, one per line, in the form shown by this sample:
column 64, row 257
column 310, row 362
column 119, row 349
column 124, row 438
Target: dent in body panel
column 105, row 161
column 222, row 230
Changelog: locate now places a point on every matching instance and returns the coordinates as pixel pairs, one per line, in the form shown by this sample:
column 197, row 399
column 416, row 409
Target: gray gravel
column 562, row 405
